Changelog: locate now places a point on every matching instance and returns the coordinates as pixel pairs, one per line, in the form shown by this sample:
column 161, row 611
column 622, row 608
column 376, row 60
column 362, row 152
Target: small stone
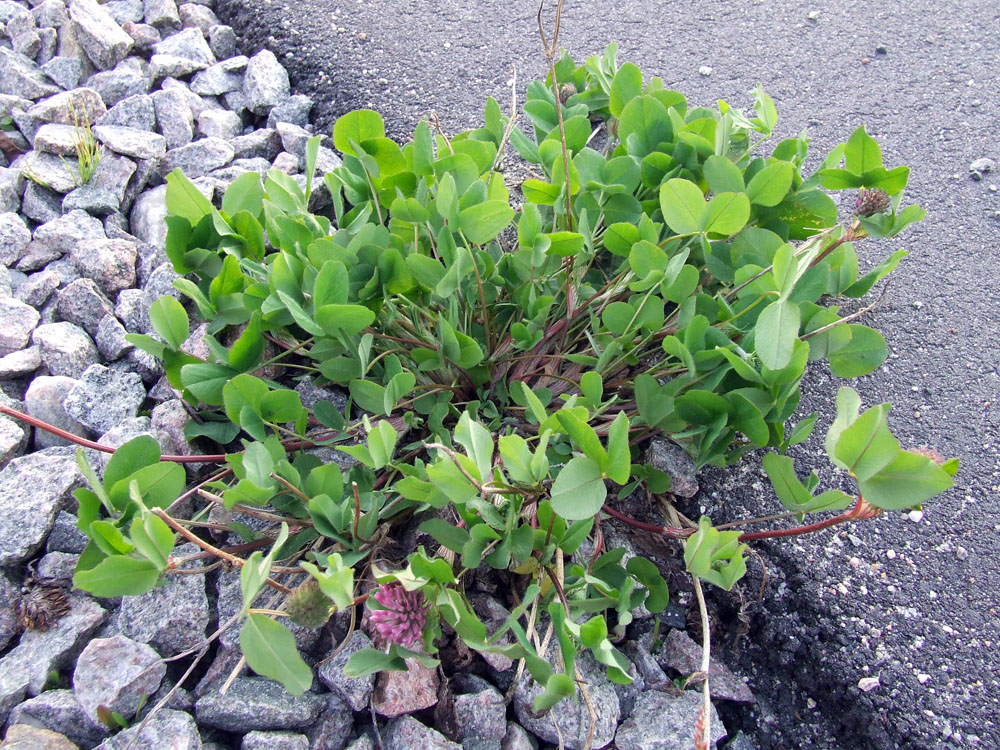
column 406, row 733
column 144, row 35
column 287, row 163
column 173, row 114
column 102, row 398
column 257, row 703
column 44, row 400
column 27, row 43
column 674, row 461
column 813, row 15
column 135, row 112
column 101, row 37
column 13, row 441
column 220, row 78
column 124, row 11
column 266, row 82
column 517, row 738
column 65, row 71
column 83, row 104
column 66, row 349
column 881, row 50
column 116, row 672
column 295, row 110
column 258, row 740
column 14, row 239
column 923, row 678
column 123, row 82
column 222, row 41
column 188, row 44
column 161, row 13
column 48, row 171
column 148, row 213
column 139, row 144
column 915, row 515
column 110, row 263
column 199, row 158
column 660, row 721
column 83, row 303
column 20, row 76
column 65, row 536
column 262, row 143
column 60, row 711
column 357, row 691
column 168, row 728
column 20, row 363
column 38, row 287
column 39, row 204
column 980, row 167
column 196, row 15
column 17, row 321
column 110, row 338
column 334, row 725
column 477, row 711
column 682, row 654
column 219, row 123
column 24, row 737
column 705, row 70
column 132, row 310
column 64, row 233
column 92, row 199
column 398, row 693
column 867, row 684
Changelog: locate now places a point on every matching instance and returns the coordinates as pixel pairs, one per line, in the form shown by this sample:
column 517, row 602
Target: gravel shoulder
column 910, row 602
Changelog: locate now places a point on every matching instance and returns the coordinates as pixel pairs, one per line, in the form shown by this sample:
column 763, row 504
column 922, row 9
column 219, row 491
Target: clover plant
column 668, row 273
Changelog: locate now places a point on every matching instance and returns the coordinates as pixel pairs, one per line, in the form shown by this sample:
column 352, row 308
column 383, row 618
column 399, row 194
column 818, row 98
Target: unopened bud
column 871, row 202
column 308, row 606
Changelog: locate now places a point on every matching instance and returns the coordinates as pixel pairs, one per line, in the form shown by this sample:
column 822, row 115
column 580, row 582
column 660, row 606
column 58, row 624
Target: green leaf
column 153, row 539
column 243, row 390
column 366, row 661
column 583, row 437
column 185, row 200
column 863, row 354
column 332, row 285
column 715, row 556
column 867, row 445
column 170, row 320
column 722, row 175
column 725, row 214
column 345, row 320
column 137, row 453
column 382, row 444
column 619, row 456
column 516, row 458
column 482, row 222
column 478, row 444
column 649, row 576
column 359, row 126
column 770, row 185
column 559, row 686
column 206, row 382
column 848, row 406
column 682, row 204
column 860, row 287
column 246, row 352
column 367, row 394
column 627, row 85
column 564, row 244
column 158, row 485
column 787, row 486
column 908, row 480
column 118, row 575
column 839, row 179
column 775, row 333
column 863, row 153
column 245, row 193
column 446, row 534
column 579, row 492
column 643, row 125
column 270, row 651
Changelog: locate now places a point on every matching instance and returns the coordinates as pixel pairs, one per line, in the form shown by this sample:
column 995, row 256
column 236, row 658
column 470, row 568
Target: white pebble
column 705, row 70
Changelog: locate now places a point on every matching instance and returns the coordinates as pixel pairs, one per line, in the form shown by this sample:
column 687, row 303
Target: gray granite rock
column 220, row 78
column 123, row 82
column 57, row 566
column 25, row 669
column 124, row 11
column 200, row 157
column 357, row 691
column 661, row 721
column 188, row 44
column 17, row 321
column 92, row 199
column 161, row 13
column 82, row 104
column 132, row 309
column 295, row 110
column 265, row 83
column 36, row 738
column 222, row 40
column 33, row 489
column 572, row 713
column 56, row 138
column 50, row 13
column 671, row 459
column 103, row 398
column 82, row 302
column 27, row 43
column 405, row 733
column 334, row 725
column 173, row 114
column 38, row 204
column 110, row 339
column 38, row 287
column 167, row 422
column 199, row 16
column 171, row 729
column 132, row 112
column 19, row 23
column 116, row 672
column 65, row 71
column 9, row 627
column 21, row 76
column 146, row 218
column 680, row 653
column 110, row 263
column 49, row 171
column 44, row 400
column 66, row 349
column 219, row 123
column 477, row 711
column 517, row 738
column 262, row 143
column 280, row 740
column 138, row 144
column 101, row 37
column 144, row 35
column 170, row 618
column 171, row 66
column 60, row 711
column 65, row 536
column 228, row 603
column 112, row 175
column 61, row 235
column 14, row 238
column 257, row 703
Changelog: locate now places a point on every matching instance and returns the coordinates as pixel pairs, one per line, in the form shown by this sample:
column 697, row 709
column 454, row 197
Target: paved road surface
column 919, row 607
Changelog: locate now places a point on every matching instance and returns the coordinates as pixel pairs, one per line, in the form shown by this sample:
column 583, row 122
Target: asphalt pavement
column 905, row 607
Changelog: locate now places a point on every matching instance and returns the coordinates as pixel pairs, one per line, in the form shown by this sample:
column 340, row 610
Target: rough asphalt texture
column 912, row 603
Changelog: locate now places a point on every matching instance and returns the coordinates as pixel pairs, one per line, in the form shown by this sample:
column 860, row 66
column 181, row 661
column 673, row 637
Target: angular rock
column 110, row 263
column 334, row 725
column 59, row 711
column 19, row 23
column 14, row 238
column 188, row 44
column 682, row 654
column 173, row 113
column 161, row 13
column 573, row 715
column 135, row 112
column 171, row 66
column 219, row 123
column 132, row 310
column 65, row 536
column 66, row 349
column 144, row 35
column 17, row 321
column 220, row 78
column 83, row 303
column 125, row 81
column 103, row 398
column 200, row 157
column 124, row 11
column 92, row 199
column 25, row 669
column 38, row 204
column 27, row 43
column 671, row 459
column 110, row 338
column 257, row 703
column 265, row 83
column 63, row 234
column 258, row 740
column 222, row 40
column 146, row 219
column 171, row 729
column 357, row 691
column 20, row 76
column 83, row 104
column 293, row 138
column 138, row 144
column 38, row 287
column 50, row 13
column 262, row 143
column 198, row 16
column 24, row 737
column 44, row 400
column 55, row 138
column 101, row 37
column 476, row 711
column 398, row 693
column 20, row 363
column 197, row 103
column 405, row 733
column 9, row 594
column 517, row 738
column 65, row 71
column 49, row 171
column 170, row 618
column 57, row 566
column 113, row 175
column 116, row 672
column 13, row 441
column 661, row 721
column 294, row 110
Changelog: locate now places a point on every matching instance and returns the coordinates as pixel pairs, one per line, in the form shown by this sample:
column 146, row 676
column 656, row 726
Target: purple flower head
column 405, row 614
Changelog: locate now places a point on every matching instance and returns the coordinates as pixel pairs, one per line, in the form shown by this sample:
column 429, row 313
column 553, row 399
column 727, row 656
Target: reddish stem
column 861, row 511
column 670, row 531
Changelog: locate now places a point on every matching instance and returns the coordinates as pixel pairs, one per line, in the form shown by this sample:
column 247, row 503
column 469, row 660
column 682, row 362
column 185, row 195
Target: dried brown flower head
column 41, row 604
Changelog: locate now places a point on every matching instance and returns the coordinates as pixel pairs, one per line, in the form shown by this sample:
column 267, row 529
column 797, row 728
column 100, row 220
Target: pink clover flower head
column 405, row 614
